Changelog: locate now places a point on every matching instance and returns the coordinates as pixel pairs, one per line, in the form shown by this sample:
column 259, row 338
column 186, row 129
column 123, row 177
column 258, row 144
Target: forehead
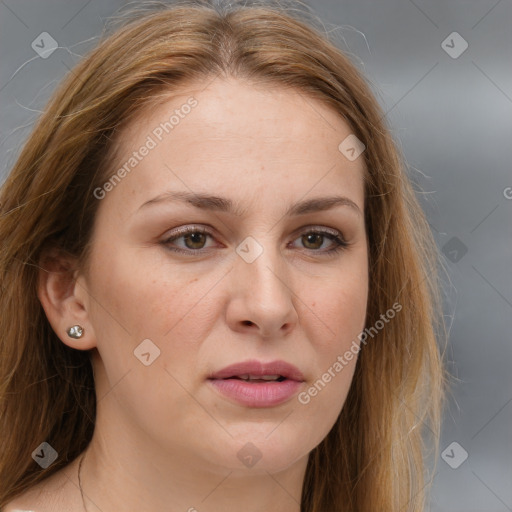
column 235, row 137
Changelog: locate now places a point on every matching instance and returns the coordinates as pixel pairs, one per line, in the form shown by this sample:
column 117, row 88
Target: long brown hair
column 374, row 456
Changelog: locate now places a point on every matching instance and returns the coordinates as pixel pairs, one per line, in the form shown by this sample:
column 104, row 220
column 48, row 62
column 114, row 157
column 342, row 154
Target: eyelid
column 189, row 228
column 318, row 228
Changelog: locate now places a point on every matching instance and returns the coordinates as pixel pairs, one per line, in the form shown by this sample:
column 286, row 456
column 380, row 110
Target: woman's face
column 261, row 280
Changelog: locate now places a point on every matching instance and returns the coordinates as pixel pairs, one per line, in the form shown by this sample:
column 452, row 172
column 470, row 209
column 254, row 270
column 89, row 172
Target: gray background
column 453, row 120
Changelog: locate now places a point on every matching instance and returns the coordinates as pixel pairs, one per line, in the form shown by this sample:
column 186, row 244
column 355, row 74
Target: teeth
column 262, row 377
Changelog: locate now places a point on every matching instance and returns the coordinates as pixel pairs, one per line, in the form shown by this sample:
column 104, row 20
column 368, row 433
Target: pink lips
column 256, row 391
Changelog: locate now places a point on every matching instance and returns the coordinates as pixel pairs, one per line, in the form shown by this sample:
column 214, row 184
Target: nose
column 262, row 300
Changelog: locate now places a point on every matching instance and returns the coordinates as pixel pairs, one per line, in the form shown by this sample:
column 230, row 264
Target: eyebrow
column 222, row 204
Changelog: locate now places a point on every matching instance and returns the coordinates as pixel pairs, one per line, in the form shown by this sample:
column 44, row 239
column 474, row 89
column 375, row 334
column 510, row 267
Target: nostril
column 247, row 322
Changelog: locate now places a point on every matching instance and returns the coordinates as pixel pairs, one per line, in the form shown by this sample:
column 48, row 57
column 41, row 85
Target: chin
column 267, row 450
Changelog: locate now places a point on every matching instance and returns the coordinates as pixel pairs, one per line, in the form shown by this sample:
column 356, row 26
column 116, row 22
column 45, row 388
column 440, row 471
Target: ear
column 61, row 293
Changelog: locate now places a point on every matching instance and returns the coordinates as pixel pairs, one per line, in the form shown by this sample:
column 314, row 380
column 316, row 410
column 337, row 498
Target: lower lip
column 257, row 394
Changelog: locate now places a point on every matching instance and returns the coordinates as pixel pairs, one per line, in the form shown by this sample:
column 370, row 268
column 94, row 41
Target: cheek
column 145, row 295
column 134, row 301
column 337, row 309
column 137, row 297
column 337, row 317
column 336, row 347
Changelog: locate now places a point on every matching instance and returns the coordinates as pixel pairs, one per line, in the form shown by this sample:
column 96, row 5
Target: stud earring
column 75, row 332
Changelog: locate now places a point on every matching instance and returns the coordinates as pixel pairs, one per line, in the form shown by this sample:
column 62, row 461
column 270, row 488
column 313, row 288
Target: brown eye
column 312, row 240
column 191, row 239
column 197, row 240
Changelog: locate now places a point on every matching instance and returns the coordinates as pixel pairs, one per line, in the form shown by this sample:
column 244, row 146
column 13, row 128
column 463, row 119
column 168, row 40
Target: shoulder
column 56, row 493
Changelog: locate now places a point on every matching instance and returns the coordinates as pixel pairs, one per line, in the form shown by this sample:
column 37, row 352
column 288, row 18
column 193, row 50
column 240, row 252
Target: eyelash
column 336, row 237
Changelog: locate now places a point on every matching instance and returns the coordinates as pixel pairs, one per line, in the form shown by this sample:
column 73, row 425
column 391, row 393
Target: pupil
column 311, row 238
column 196, row 238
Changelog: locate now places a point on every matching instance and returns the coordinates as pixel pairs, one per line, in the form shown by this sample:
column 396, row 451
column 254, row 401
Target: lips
column 257, row 384
column 258, row 370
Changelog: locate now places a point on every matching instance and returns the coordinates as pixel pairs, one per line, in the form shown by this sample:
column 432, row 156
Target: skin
column 164, row 439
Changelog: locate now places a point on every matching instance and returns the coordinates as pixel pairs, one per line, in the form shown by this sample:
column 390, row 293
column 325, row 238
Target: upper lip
column 259, row 369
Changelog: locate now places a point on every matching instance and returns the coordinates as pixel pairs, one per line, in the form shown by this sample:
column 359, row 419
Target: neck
column 131, row 482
